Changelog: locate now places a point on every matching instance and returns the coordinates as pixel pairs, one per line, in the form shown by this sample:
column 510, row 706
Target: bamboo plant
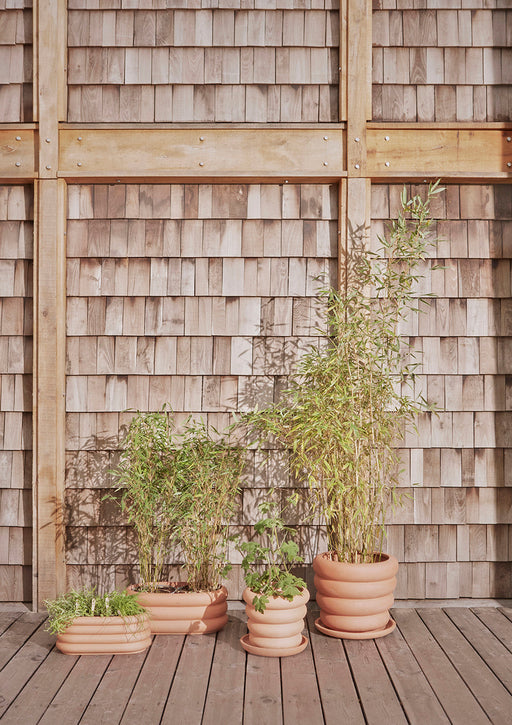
column 350, row 398
column 179, row 490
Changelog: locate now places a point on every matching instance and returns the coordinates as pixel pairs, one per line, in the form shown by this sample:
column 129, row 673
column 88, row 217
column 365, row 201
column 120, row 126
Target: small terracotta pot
column 184, row 612
column 354, row 599
column 105, row 635
column 276, row 632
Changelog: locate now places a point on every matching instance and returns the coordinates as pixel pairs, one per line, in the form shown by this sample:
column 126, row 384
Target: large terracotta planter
column 184, row 612
column 276, row 632
column 354, row 599
column 105, row 635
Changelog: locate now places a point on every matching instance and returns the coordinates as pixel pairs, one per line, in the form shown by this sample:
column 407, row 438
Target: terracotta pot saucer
column 340, row 634
column 269, row 651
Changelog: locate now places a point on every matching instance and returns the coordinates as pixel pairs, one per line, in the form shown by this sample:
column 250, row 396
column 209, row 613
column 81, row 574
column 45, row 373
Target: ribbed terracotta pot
column 276, row 632
column 105, row 635
column 184, row 612
column 354, row 599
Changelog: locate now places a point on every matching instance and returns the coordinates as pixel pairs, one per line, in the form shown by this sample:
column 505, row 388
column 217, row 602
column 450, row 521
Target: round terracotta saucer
column 269, row 652
column 356, row 635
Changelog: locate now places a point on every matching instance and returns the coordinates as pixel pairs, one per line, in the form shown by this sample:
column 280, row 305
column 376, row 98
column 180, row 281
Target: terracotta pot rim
column 187, row 598
column 115, row 619
column 279, row 602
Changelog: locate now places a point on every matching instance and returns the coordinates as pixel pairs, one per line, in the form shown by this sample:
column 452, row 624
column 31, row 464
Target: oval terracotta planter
column 276, row 632
column 184, row 612
column 105, row 635
column 355, row 599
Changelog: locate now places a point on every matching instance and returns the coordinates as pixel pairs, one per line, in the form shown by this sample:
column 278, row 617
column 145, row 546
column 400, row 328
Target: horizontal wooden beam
column 394, row 151
column 17, row 154
column 415, row 151
column 201, row 153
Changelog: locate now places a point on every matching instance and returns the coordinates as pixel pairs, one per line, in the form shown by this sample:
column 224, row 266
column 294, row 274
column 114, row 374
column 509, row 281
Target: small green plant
column 267, row 563
column 350, row 398
column 87, row 603
column 147, row 492
column 208, row 473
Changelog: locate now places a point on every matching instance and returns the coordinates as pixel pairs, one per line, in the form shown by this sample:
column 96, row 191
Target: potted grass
column 88, row 624
column 180, row 490
column 347, row 403
column 275, row 598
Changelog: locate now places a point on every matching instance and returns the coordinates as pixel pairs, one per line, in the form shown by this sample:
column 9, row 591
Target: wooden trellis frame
column 51, row 153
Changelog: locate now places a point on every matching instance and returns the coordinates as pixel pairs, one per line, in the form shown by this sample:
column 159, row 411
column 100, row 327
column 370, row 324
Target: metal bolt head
column 79, row 138
column 357, row 139
column 286, row 181
column 326, row 138
column 386, row 138
column 47, row 140
column 386, row 163
column 509, row 163
column 18, row 163
column 356, row 166
column 78, row 163
column 326, row 163
column 509, row 138
column 18, row 138
column 201, row 163
column 201, row 138
column 48, row 166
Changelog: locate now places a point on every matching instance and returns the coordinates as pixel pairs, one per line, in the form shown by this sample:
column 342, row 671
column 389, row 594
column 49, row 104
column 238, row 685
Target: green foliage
column 179, row 490
column 208, row 475
column 266, row 563
column 86, row 603
column 351, row 398
column 147, row 490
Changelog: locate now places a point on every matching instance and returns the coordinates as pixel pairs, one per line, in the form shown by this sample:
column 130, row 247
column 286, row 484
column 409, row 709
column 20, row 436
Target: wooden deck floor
column 450, row 665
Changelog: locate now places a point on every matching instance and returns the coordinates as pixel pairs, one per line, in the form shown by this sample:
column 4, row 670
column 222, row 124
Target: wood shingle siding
column 440, row 64
column 454, row 533
column 203, row 65
column 200, row 296
column 15, row 62
column 16, row 252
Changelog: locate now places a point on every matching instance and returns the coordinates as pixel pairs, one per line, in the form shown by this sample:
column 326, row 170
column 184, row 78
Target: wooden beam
column 49, row 568
column 49, row 389
column 17, row 154
column 201, row 154
column 358, row 32
column 447, row 152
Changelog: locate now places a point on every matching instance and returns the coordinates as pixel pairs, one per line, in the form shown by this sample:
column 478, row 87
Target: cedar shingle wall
column 15, row 61
column 187, row 64
column 15, row 392
column 455, row 532
column 448, row 62
column 195, row 295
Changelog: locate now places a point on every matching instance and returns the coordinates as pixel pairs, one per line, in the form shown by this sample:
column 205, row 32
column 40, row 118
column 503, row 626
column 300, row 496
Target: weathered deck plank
column 488, row 646
column 23, row 664
column 190, row 684
column 33, row 700
column 113, row 693
column 150, row 693
column 340, row 702
column 418, row 699
column 457, row 700
column 378, row 698
column 499, row 625
column 224, row 702
column 73, row 697
column 485, row 686
column 301, row 698
column 443, row 665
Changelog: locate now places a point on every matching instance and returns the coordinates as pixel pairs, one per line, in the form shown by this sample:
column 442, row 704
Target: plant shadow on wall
column 347, row 403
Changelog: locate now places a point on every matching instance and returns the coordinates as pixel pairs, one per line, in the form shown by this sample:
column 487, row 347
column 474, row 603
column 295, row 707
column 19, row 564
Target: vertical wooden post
column 49, row 305
column 356, row 38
